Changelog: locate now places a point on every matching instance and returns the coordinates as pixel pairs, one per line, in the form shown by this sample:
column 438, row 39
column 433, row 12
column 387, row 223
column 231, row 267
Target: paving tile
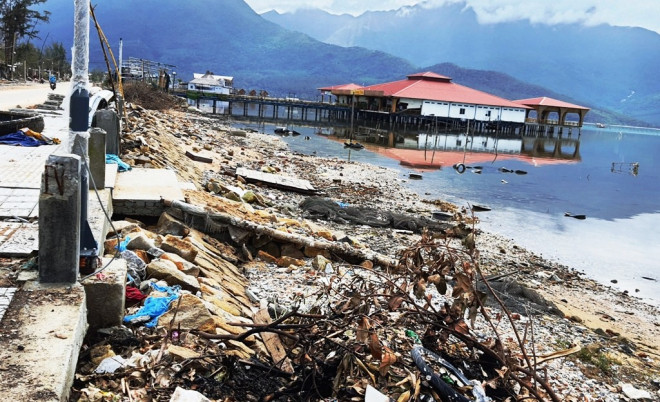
column 6, row 294
column 18, row 239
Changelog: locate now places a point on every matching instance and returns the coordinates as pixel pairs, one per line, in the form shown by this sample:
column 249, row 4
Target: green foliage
column 594, row 355
column 18, row 20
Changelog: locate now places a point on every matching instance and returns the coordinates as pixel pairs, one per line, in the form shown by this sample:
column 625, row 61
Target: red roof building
column 431, row 94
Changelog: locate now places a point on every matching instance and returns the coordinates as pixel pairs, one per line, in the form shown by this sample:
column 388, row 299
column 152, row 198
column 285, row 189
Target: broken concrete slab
column 105, row 294
column 138, row 192
column 277, row 181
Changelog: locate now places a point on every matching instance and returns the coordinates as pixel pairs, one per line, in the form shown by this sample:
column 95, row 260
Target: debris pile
column 241, row 293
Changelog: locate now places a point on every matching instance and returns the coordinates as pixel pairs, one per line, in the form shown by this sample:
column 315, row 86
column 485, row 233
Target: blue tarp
column 154, row 307
column 19, row 138
column 112, row 158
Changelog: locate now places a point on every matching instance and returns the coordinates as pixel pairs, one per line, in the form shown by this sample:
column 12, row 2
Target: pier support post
column 59, row 220
column 108, row 120
column 97, row 137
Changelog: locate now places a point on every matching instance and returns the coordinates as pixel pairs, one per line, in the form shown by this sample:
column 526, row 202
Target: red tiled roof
column 342, row 86
column 429, row 75
column 439, row 88
column 545, row 101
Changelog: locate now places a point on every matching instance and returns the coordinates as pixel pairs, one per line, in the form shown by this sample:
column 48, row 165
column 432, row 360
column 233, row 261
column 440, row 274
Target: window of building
column 462, row 111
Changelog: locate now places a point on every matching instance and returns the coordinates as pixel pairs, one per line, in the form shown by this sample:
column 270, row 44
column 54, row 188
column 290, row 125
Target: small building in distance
column 209, row 85
column 545, row 112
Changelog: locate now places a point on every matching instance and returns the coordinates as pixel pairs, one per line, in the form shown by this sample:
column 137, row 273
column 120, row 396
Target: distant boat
column 415, row 176
column 600, row 125
column 570, row 215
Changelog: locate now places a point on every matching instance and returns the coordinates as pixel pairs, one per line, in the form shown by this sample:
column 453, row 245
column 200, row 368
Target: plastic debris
column 186, row 395
column 112, row 158
column 110, row 364
column 154, row 307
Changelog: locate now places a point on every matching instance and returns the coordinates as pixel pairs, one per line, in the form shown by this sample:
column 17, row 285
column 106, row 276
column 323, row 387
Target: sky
column 640, row 13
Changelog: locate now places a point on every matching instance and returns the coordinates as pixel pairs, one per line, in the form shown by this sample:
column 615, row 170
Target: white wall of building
column 470, row 111
column 513, row 114
column 217, row 89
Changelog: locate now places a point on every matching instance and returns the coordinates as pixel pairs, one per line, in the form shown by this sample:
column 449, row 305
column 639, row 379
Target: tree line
column 22, row 58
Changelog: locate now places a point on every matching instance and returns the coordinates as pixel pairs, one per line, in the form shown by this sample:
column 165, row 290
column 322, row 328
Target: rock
column 264, row 256
column 326, row 234
column 139, row 241
column 122, row 227
column 238, row 133
column 291, row 250
column 249, row 197
column 190, row 314
column 312, row 252
column 181, row 353
column 179, row 246
column 142, row 160
column 180, row 262
column 184, row 395
column 214, row 187
column 167, row 271
column 110, row 246
column 232, row 195
column 321, row 264
column 287, row 261
column 167, row 224
column 635, row 394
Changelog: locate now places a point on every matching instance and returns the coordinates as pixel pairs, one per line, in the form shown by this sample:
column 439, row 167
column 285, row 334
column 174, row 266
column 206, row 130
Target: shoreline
column 592, row 316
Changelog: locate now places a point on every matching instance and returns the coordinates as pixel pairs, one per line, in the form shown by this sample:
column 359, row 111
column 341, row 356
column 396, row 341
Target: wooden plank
column 273, row 343
column 277, row 181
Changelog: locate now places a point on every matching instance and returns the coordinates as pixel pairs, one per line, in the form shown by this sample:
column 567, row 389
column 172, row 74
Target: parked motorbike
column 52, row 85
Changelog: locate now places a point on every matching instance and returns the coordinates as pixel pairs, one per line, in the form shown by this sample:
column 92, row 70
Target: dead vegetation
column 149, row 97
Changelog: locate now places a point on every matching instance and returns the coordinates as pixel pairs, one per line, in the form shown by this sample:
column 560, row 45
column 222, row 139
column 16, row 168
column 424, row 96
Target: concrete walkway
column 41, row 327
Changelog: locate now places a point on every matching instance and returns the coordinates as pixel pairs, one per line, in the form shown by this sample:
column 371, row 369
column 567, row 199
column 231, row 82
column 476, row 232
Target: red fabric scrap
column 134, row 295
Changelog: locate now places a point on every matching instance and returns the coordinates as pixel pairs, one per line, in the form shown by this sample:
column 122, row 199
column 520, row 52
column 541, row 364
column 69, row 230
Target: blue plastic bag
column 112, row 158
column 154, row 307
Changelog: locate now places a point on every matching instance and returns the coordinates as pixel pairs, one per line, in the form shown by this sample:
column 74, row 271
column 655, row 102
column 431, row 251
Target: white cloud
column 642, row 13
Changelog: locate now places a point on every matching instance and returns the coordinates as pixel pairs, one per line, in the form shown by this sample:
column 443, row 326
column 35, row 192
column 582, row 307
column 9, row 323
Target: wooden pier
column 293, row 109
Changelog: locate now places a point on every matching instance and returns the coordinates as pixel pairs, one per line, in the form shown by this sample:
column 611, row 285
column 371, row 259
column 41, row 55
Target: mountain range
column 613, row 67
column 229, row 38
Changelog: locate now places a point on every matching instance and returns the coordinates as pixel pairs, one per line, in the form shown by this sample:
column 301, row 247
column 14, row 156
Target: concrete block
column 105, row 295
column 96, row 152
column 108, row 120
column 59, row 220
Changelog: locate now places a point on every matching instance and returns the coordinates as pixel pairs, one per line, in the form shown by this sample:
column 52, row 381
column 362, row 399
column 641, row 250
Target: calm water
column 620, row 238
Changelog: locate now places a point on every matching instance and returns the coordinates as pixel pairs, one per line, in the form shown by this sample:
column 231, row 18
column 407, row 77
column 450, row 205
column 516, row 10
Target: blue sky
column 641, row 13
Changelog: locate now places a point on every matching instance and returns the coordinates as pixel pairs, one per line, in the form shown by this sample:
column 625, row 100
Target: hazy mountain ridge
column 600, row 65
column 228, row 38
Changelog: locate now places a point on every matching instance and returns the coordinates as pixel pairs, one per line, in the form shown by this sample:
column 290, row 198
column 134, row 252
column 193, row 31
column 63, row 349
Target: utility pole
column 79, row 125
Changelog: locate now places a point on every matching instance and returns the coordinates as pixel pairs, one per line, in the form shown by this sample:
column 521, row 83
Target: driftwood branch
column 341, row 249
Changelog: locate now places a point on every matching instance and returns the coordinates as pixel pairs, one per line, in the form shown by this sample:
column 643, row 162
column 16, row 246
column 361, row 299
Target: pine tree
column 18, row 20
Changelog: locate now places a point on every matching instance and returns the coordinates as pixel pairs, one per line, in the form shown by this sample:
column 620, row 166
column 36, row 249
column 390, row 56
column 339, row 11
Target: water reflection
column 611, row 177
